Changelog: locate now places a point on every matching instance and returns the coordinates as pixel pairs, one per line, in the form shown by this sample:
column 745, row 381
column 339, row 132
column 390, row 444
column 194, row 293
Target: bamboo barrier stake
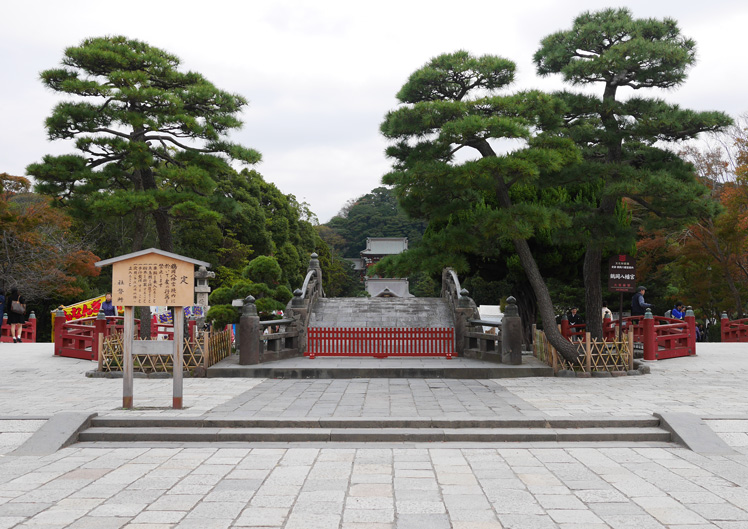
column 100, row 337
column 588, row 352
column 631, row 348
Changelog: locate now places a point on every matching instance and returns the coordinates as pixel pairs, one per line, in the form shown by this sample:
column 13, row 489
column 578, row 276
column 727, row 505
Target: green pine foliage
column 630, row 175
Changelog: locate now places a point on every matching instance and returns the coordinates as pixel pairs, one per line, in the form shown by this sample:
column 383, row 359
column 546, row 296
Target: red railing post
column 690, row 319
column 28, row 331
column 565, row 330
column 650, row 339
column 59, row 327
column 724, row 324
column 191, row 329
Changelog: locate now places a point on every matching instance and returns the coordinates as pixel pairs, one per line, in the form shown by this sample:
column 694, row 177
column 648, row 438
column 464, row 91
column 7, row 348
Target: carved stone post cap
column 314, row 255
column 297, row 293
column 32, row 316
column 564, row 317
column 464, row 292
column 724, row 316
column 689, row 312
column 511, row 308
column 59, row 313
column 648, row 314
column 101, row 315
column 249, row 308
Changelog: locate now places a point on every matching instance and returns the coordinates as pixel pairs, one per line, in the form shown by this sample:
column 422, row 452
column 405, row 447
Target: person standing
column 638, row 306
column 574, row 317
column 606, row 312
column 15, row 306
column 107, row 308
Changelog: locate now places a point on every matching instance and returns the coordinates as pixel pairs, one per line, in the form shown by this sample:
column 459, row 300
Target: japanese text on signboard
column 621, row 273
column 153, row 280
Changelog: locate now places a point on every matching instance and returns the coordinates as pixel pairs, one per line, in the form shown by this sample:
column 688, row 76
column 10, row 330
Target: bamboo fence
column 593, row 355
column 206, row 350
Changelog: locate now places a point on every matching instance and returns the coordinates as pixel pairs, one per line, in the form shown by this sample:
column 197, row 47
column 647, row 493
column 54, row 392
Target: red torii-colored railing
column 79, row 338
column 380, row 342
column 733, row 331
column 28, row 331
column 661, row 337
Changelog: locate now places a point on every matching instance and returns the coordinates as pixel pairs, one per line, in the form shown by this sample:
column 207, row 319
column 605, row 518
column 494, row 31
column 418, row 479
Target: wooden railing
column 735, row 331
column 79, row 338
column 28, row 331
column 380, row 342
column 659, row 337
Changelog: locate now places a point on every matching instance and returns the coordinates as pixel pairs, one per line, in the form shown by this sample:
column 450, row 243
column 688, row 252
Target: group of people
column 14, row 305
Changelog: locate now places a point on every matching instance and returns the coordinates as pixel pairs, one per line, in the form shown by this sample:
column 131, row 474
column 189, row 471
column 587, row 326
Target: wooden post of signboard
column 129, row 334
column 178, row 353
column 146, row 278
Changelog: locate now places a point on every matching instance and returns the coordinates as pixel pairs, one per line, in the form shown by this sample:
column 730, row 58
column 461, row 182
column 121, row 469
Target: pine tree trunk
column 592, row 291
column 545, row 305
column 163, row 228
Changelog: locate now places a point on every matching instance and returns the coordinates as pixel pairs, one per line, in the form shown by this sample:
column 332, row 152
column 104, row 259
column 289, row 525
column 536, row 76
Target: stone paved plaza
column 377, row 486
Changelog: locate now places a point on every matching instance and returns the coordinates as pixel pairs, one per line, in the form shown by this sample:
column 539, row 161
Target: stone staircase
column 381, row 312
column 374, row 430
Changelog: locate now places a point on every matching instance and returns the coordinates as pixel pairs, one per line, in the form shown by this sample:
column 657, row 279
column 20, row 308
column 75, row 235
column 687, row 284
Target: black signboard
column 622, row 273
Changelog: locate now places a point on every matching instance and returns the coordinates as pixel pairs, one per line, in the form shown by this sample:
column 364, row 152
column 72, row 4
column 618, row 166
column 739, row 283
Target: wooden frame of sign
column 152, row 277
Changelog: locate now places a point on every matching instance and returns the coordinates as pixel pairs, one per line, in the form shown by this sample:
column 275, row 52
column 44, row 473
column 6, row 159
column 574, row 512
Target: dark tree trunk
column 543, row 296
column 528, row 307
column 138, row 235
column 592, row 291
column 163, row 228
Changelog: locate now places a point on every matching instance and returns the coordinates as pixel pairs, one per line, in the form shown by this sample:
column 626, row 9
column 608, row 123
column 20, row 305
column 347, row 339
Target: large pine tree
column 150, row 137
column 622, row 135
column 450, row 167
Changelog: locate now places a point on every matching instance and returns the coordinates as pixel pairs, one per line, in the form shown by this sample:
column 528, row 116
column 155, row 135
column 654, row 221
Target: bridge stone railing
column 503, row 343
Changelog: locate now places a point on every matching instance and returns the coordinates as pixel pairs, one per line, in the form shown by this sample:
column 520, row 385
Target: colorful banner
column 163, row 314
column 85, row 309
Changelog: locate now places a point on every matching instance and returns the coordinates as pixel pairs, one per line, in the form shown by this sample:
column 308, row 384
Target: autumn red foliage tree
column 39, row 254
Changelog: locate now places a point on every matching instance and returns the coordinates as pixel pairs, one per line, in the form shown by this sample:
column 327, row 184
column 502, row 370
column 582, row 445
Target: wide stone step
column 372, row 422
column 212, row 434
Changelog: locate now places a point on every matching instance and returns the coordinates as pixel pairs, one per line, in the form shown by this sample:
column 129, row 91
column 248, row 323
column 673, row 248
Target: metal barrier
column 380, row 342
column 735, row 331
column 28, row 331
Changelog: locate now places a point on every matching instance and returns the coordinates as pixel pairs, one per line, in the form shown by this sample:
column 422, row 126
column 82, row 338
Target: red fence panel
column 78, row 338
column 735, row 331
column 380, row 342
column 661, row 337
column 28, row 330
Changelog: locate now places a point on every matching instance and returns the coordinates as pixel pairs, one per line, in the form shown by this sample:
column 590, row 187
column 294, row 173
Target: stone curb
column 58, row 432
column 692, row 432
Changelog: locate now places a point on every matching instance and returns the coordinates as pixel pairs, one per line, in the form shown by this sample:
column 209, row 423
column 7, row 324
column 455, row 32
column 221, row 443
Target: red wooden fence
column 28, row 332
column 380, row 342
column 734, row 331
column 78, row 338
column 660, row 337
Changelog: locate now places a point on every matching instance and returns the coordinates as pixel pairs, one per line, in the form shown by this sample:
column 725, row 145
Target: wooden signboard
column 153, row 279
column 622, row 273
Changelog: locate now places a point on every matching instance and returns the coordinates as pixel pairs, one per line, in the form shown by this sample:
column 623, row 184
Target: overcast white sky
column 321, row 75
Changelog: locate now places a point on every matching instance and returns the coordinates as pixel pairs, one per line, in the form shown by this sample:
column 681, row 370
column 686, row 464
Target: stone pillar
column 511, row 334
column 202, row 290
column 249, row 327
column 464, row 310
